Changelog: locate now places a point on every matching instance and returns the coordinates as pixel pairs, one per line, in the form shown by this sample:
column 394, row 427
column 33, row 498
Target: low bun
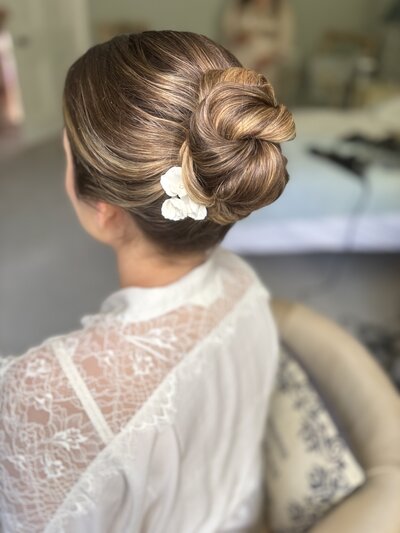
column 231, row 159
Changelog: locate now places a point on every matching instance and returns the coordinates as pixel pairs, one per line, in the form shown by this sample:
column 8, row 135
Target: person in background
column 260, row 34
column 150, row 418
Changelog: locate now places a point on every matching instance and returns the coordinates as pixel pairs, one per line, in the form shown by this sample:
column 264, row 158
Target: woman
column 150, row 417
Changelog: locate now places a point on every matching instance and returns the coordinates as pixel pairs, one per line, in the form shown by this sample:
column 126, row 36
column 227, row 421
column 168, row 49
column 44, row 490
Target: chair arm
column 353, row 385
column 366, row 406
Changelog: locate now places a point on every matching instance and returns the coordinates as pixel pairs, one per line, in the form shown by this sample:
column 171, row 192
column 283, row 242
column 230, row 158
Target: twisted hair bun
column 231, row 159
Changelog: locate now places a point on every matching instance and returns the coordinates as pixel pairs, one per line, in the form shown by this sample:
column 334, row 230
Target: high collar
column 199, row 286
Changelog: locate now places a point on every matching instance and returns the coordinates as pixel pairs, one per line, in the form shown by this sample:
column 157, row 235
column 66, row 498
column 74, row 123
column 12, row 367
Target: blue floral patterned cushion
column 308, row 466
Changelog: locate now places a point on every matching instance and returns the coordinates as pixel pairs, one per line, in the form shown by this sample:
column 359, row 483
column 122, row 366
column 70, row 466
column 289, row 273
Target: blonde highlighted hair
column 141, row 103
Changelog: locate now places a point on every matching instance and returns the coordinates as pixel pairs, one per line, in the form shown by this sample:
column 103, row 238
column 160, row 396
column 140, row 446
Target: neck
column 140, row 265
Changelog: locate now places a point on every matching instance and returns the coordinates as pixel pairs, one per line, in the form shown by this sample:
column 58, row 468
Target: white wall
column 313, row 16
column 47, row 37
column 182, row 15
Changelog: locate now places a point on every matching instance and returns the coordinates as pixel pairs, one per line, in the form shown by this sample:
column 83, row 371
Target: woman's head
column 141, row 103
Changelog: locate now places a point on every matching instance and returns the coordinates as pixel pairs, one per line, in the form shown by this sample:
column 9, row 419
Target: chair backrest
column 366, row 404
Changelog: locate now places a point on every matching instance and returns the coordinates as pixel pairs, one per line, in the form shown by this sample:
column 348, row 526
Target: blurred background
column 332, row 240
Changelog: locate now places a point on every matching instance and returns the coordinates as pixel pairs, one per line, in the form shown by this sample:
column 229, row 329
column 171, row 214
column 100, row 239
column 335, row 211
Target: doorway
column 39, row 40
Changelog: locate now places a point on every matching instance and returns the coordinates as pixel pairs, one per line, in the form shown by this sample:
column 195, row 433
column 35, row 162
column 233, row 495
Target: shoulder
column 241, row 271
column 30, row 385
column 43, row 364
column 35, row 389
column 48, row 437
column 100, row 375
column 37, row 365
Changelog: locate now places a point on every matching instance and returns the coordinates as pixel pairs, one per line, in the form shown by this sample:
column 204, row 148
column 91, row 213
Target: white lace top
column 149, row 418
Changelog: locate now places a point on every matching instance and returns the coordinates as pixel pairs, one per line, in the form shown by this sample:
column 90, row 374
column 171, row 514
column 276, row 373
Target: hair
column 140, row 103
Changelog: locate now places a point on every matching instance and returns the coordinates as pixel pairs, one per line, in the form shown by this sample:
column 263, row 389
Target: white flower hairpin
column 179, row 206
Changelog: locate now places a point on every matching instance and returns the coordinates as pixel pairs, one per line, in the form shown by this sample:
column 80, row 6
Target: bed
column 325, row 206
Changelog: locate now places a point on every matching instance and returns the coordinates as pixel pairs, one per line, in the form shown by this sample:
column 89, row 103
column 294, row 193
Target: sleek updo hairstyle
column 139, row 104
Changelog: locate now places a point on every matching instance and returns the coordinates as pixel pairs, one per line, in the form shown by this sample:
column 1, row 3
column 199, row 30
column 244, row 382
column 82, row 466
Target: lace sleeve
column 46, row 440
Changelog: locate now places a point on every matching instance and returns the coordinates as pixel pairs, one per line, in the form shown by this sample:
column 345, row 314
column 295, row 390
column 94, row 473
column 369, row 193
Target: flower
column 172, row 182
column 53, row 468
column 37, row 367
column 70, row 439
column 179, row 206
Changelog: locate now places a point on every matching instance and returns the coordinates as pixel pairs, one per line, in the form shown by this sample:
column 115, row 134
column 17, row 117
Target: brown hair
column 140, row 103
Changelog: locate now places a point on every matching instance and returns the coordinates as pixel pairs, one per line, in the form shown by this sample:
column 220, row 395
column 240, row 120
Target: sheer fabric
column 148, row 419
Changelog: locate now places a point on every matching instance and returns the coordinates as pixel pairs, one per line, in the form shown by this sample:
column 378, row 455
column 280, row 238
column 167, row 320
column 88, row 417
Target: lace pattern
column 65, row 401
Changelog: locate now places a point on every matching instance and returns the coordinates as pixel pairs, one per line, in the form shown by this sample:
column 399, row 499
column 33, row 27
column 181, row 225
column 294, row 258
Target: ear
column 107, row 215
column 113, row 224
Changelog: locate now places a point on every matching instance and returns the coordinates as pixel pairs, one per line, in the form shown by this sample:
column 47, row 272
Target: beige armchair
column 367, row 406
